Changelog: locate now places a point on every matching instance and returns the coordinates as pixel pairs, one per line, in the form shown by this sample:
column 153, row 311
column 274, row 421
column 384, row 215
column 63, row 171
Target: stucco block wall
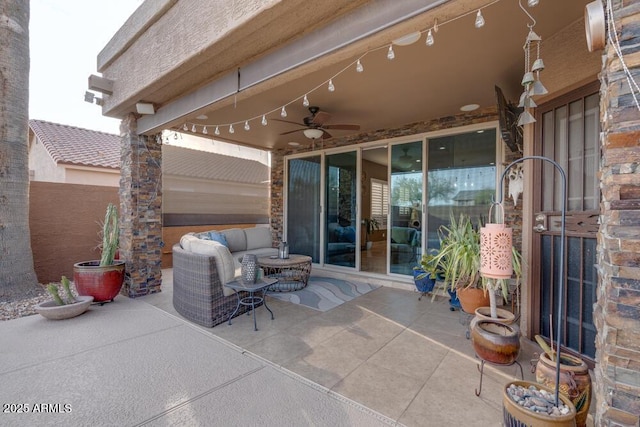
column 617, row 312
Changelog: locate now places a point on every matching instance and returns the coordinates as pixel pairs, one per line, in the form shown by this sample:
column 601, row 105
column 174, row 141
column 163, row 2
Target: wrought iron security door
column 567, row 130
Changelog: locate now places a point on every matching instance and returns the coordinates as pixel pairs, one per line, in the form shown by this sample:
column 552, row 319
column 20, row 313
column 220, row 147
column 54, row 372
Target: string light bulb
column 246, row 125
column 185, row 127
column 430, row 39
column 193, row 129
column 217, row 131
column 331, row 87
column 532, row 3
column 359, row 67
column 231, row 130
column 204, row 130
column 479, row 19
column 390, row 53
column 283, row 112
column 305, row 101
column 435, row 26
column 264, row 120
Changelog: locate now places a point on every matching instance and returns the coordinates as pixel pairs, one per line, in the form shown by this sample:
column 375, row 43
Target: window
column 379, row 201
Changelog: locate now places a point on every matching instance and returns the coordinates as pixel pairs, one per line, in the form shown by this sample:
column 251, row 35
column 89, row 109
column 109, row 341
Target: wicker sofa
column 202, row 266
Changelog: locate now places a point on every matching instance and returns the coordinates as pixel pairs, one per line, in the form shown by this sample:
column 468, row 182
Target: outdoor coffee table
column 260, row 285
column 292, row 273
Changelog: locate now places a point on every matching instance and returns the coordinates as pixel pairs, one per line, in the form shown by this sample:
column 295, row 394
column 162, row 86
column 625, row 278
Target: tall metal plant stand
column 481, row 369
column 562, row 258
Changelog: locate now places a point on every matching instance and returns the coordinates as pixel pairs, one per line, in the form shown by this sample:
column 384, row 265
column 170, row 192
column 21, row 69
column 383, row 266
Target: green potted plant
column 458, row 262
column 63, row 306
column 370, row 225
column 102, row 278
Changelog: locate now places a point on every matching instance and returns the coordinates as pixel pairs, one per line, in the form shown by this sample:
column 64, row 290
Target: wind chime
column 531, row 79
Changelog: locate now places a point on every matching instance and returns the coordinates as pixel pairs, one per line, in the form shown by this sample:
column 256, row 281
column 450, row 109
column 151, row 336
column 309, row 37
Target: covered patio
column 383, row 358
column 326, row 88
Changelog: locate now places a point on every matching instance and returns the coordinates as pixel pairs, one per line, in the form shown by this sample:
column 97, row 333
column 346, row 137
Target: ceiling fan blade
column 343, row 127
column 325, row 134
column 292, row 131
column 287, row 121
column 320, row 118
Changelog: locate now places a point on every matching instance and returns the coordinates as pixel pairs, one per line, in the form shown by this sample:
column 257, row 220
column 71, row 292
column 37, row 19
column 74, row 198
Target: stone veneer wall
column 617, row 311
column 140, row 210
column 450, row 122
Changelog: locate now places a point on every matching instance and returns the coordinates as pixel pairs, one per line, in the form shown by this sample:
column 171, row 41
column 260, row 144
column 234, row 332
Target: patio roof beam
column 363, row 22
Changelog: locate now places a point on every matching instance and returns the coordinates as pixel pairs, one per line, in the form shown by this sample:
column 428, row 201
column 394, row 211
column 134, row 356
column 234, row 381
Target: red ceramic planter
column 102, row 283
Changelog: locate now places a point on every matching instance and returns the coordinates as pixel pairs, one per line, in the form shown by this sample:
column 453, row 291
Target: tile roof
column 212, row 166
column 72, row 145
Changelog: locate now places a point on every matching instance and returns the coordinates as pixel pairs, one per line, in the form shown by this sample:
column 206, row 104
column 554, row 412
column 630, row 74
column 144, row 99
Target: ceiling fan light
column 407, row 39
column 313, row 133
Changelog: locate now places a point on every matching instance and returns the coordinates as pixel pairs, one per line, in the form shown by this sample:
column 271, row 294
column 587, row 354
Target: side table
column 292, row 273
column 260, row 285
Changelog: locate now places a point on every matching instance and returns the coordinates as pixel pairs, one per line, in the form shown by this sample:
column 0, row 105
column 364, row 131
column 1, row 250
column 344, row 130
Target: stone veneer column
column 617, row 311
column 140, row 210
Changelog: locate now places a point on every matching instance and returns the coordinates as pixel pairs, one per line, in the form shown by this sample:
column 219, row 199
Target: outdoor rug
column 325, row 293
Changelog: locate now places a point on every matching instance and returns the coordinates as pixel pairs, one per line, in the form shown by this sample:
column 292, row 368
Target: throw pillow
column 218, row 237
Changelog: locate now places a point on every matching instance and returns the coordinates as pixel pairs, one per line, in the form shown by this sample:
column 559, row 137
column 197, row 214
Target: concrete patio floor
column 384, row 358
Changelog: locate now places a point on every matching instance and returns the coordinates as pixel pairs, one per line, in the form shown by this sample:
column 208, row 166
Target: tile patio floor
column 406, row 359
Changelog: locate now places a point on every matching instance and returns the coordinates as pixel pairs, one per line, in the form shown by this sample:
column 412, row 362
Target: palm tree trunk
column 17, row 274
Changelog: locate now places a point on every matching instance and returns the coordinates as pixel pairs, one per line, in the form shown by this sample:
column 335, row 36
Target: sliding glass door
column 405, row 224
column 341, row 238
column 303, row 206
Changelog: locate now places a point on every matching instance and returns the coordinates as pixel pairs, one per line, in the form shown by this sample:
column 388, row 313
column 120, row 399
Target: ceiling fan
column 316, row 125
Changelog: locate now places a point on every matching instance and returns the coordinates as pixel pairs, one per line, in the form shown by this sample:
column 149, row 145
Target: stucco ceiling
column 421, row 83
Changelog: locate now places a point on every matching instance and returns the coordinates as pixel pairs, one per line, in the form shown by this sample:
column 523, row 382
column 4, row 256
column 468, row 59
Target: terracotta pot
column 472, row 298
column 495, row 342
column 102, row 283
column 575, row 381
column 515, row 415
column 504, row 316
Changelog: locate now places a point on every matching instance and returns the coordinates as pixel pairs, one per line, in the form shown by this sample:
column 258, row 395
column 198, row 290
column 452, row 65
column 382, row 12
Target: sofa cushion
column 258, row 237
column 185, row 241
column 217, row 236
column 236, row 239
column 222, row 256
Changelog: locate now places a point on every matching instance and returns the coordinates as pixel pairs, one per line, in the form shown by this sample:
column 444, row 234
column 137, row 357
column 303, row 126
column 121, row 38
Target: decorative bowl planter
column 515, row 415
column 504, row 316
column 103, row 283
column 51, row 309
column 575, row 382
column 495, row 342
column 424, row 284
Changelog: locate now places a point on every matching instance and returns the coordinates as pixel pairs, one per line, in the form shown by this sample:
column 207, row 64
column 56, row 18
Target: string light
column 430, row 40
column 246, row 125
column 390, row 53
column 204, row 130
column 185, row 128
column 479, row 19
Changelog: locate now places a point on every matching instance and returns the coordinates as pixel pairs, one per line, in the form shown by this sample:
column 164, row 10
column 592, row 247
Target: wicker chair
column 197, row 291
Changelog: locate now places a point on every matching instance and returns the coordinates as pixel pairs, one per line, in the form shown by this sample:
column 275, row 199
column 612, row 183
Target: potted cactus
column 63, row 306
column 102, row 278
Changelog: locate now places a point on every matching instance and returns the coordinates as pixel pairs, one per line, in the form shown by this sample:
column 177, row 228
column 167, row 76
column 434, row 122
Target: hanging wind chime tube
column 561, row 285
